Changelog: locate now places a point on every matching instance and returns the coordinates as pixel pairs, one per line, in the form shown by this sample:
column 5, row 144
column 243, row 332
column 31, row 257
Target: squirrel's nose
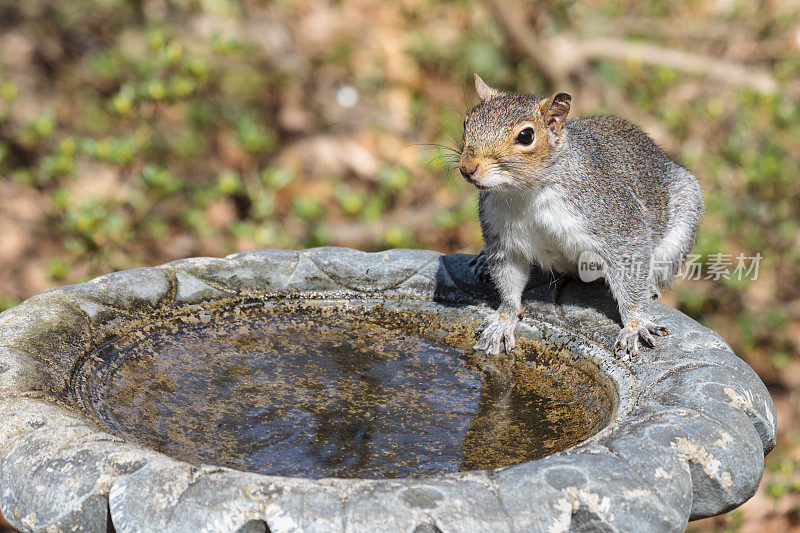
column 468, row 168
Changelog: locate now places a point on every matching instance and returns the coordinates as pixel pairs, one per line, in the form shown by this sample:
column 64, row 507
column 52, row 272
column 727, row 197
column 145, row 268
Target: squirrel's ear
column 554, row 110
column 484, row 91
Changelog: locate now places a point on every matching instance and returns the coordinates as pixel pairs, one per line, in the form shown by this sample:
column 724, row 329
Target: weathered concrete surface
column 687, row 441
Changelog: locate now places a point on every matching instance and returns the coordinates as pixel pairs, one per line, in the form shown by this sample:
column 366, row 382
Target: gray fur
column 596, row 184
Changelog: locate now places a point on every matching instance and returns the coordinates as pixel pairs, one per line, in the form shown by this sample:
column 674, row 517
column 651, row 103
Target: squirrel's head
column 508, row 136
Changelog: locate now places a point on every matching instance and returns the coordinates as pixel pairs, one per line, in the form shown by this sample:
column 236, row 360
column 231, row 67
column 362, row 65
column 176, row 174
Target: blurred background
column 134, row 132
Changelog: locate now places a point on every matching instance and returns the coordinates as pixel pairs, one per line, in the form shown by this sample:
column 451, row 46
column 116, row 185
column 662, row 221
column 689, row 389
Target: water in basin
column 334, row 390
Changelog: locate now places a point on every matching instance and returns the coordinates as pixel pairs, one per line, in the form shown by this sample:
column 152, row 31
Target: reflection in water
column 520, row 413
column 338, row 394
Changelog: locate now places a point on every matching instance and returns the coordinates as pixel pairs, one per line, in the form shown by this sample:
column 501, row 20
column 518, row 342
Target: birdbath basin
column 340, row 388
column 335, row 390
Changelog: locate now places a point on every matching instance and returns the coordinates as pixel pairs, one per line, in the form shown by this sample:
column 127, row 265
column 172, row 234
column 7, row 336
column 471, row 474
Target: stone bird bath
column 333, row 390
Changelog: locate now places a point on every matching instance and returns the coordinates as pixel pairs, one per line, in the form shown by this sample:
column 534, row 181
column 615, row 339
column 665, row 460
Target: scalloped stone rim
column 687, row 441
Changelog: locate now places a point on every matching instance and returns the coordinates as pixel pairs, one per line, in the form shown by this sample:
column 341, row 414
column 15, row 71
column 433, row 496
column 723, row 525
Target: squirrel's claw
column 479, row 268
column 497, row 328
column 628, row 339
column 474, row 260
column 657, row 330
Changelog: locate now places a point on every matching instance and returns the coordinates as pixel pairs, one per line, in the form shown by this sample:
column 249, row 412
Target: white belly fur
column 541, row 226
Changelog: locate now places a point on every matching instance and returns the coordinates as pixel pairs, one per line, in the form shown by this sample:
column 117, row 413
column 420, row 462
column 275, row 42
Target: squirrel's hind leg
column 631, row 286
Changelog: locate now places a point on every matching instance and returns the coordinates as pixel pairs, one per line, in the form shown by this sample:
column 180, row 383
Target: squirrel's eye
column 525, row 137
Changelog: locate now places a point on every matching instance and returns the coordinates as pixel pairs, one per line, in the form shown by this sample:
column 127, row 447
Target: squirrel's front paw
column 628, row 339
column 496, row 328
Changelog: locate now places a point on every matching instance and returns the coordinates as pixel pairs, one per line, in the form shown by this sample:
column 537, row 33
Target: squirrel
column 552, row 189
